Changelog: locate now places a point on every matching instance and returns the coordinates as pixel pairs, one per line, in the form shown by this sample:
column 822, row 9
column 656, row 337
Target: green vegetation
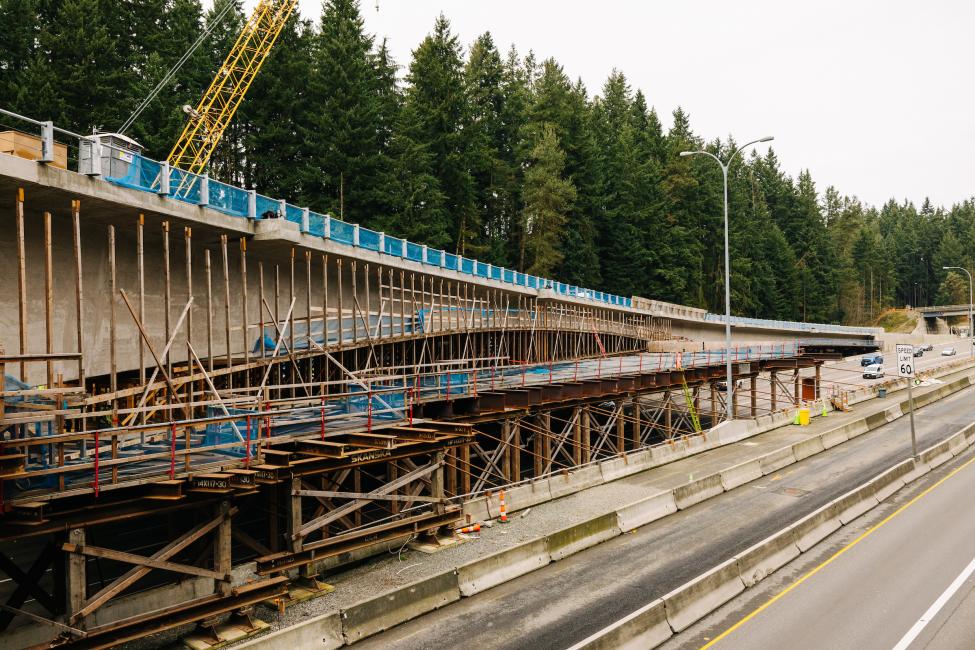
column 498, row 156
column 899, row 321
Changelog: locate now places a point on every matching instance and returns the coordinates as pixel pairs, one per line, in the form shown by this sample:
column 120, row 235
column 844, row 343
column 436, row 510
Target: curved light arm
column 767, row 138
column 684, row 154
column 960, row 268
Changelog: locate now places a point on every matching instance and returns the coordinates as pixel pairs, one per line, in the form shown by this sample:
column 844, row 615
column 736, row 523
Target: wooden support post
column 506, row 450
column 621, row 427
column 772, row 383
column 754, row 394
column 816, row 388
column 795, row 390
column 226, row 305
column 294, row 515
column 668, row 416
column 714, row 404
column 586, row 435
column 392, row 473
column 516, row 451
column 451, row 469
column 577, row 436
column 244, row 319
column 77, row 584
column 465, row 469
column 538, row 454
column 436, row 482
column 637, row 435
column 222, row 559
column 167, row 294
column 22, row 282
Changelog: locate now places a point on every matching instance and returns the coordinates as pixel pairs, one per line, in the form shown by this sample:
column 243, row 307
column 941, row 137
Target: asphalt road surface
column 567, row 601
column 901, row 577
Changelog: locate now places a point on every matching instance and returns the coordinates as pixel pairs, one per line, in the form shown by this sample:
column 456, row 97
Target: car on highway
column 871, row 360
column 949, row 352
column 928, row 347
column 873, row 371
column 919, row 351
column 723, row 385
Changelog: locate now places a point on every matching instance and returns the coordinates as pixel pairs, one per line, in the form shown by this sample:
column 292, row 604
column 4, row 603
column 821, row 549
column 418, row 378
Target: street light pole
column 971, row 322
column 729, row 392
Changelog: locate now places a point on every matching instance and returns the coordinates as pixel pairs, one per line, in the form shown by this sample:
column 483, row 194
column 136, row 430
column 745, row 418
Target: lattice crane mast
column 210, row 118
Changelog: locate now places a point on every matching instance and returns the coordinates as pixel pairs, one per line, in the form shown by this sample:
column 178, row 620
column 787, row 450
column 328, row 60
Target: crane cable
column 179, row 64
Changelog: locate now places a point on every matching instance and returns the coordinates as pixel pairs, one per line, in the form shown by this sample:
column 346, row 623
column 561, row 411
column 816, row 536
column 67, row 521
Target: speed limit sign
column 905, row 360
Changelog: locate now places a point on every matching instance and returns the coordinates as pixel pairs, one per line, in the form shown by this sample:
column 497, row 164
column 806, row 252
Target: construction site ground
column 402, row 565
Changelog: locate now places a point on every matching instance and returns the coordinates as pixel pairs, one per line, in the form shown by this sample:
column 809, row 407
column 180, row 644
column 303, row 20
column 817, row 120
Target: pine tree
column 433, row 117
column 548, row 198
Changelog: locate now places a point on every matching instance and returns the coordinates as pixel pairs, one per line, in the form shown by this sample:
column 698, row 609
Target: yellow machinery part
column 206, row 125
column 690, row 404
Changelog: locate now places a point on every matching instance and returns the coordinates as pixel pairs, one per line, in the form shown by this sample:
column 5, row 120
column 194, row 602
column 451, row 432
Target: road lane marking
column 935, row 607
column 833, row 557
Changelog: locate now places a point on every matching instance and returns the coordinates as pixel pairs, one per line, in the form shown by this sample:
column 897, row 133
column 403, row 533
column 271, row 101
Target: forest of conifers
column 497, row 155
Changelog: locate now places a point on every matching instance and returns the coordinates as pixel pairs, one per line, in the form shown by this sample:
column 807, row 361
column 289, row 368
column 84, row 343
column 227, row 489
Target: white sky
column 873, row 97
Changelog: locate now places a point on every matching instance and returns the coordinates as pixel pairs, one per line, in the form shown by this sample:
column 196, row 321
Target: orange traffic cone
column 504, row 511
column 476, row 528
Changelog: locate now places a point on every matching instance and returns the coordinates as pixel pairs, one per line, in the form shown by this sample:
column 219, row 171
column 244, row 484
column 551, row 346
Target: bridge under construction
column 202, row 409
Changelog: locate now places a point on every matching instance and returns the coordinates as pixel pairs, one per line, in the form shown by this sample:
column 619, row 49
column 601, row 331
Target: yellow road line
column 828, row 561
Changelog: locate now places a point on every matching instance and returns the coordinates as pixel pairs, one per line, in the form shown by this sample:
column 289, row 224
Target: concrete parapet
column 776, row 460
column 808, row 447
column 646, row 510
column 668, row 452
column 571, row 482
column 528, row 495
column 740, row 474
column 834, row 437
column 323, row 632
column 480, row 575
column 698, row 490
column 770, row 554
column 568, row 541
column 696, row 599
column 383, row 612
column 647, row 627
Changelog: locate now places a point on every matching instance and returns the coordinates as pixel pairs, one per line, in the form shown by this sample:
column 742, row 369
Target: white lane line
column 935, row 607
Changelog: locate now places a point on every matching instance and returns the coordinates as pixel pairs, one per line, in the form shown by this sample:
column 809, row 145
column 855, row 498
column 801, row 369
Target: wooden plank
column 139, row 560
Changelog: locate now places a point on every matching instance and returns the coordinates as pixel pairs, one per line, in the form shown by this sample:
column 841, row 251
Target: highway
column 900, row 578
column 567, row 601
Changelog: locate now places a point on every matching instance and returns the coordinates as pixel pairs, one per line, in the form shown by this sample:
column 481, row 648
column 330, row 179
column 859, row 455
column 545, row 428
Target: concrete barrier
column 808, row 447
column 834, row 437
column 854, row 503
column 323, row 632
column 528, row 495
column 698, row 490
column 480, row 575
column 957, row 443
column 815, row 527
column 895, row 412
column 891, row 480
column 668, row 452
column 646, row 510
column 740, row 474
column 616, row 468
column 383, row 612
column 776, row 460
column 647, row 627
column 767, row 556
column 696, row 599
column 856, row 428
column 565, row 484
column 568, row 541
column 936, row 455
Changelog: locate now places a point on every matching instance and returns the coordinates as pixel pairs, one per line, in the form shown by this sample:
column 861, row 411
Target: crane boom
column 207, row 122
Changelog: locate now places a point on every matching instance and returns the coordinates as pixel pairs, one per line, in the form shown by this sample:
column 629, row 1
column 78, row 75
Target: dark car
column 919, row 351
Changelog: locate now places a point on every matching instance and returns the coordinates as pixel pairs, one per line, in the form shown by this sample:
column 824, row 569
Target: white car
column 873, row 371
column 949, row 352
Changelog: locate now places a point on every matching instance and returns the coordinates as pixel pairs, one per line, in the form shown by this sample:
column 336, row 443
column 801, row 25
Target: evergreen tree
column 548, row 198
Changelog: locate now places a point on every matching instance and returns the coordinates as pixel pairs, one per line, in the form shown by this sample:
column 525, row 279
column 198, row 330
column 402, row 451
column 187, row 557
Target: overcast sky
column 872, row 97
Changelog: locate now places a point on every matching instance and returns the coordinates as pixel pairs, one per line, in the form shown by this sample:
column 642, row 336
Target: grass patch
column 900, row 321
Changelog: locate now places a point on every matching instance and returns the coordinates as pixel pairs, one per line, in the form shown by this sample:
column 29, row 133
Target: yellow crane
column 210, row 118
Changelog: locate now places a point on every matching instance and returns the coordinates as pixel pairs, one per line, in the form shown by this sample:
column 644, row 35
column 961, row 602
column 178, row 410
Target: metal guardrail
column 793, row 325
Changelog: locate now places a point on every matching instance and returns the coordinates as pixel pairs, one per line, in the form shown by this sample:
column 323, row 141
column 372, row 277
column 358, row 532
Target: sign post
column 905, row 368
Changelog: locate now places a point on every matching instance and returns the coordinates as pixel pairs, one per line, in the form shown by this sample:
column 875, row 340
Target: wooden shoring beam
column 133, row 575
column 353, row 506
column 363, row 495
column 139, row 560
